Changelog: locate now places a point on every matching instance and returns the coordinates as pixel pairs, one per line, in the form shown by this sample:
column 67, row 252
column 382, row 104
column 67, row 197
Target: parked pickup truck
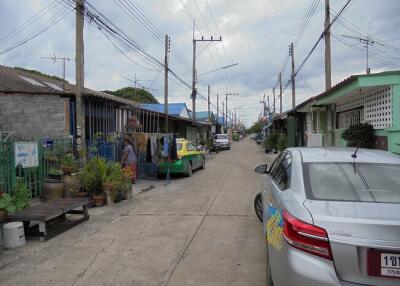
column 222, row 141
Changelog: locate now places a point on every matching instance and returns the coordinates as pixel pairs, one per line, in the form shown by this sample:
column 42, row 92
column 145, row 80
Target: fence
column 49, row 152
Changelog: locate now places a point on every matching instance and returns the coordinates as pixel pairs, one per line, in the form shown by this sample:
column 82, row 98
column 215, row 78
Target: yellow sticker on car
column 274, row 228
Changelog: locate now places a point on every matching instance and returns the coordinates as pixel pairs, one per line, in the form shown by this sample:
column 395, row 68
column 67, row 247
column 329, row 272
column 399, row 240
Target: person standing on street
column 129, row 159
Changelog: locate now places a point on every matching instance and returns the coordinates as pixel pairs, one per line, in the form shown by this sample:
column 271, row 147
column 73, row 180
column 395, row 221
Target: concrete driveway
column 196, row 231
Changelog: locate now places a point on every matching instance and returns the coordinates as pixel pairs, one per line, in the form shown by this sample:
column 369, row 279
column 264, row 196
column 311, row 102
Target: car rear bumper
column 223, row 145
column 303, row 269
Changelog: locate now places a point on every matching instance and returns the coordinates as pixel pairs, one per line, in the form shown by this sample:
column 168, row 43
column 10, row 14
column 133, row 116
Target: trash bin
column 13, row 235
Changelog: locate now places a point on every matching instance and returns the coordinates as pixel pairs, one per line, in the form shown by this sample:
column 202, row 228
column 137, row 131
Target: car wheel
column 258, row 207
column 203, row 164
column 189, row 170
column 268, row 273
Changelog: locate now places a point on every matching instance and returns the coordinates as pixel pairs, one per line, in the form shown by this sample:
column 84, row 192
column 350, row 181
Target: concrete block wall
column 34, row 116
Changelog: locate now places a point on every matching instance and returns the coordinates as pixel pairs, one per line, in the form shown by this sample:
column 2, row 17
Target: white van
column 222, row 141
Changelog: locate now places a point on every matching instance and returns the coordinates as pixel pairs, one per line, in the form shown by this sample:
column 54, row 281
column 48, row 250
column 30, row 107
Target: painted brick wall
column 33, row 116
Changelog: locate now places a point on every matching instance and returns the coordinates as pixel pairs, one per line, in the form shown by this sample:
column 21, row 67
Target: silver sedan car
column 332, row 217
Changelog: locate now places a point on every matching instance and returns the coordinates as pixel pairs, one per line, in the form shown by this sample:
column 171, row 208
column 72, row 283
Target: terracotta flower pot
column 99, row 200
column 81, row 194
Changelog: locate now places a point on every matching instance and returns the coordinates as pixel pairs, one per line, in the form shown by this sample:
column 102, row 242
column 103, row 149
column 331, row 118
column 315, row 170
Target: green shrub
column 93, row 175
column 282, row 142
column 271, row 142
column 361, row 135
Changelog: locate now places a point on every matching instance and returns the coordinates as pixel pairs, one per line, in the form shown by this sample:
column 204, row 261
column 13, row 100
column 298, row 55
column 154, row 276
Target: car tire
column 189, row 170
column 258, row 207
column 203, row 164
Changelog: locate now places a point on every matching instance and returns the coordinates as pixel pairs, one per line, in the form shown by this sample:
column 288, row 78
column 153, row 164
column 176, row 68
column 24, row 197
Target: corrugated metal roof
column 173, row 108
column 344, row 82
column 13, row 80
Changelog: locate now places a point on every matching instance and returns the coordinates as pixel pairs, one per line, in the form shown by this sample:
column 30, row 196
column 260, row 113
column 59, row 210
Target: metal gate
column 33, row 177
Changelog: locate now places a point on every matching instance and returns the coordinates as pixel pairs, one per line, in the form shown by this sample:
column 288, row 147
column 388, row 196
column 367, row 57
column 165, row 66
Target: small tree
column 282, row 142
column 271, row 142
column 361, row 135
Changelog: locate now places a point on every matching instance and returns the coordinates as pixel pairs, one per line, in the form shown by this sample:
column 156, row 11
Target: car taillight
column 306, row 237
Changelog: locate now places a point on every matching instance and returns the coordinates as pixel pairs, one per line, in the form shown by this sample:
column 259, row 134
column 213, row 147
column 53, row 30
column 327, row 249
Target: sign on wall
column 26, row 154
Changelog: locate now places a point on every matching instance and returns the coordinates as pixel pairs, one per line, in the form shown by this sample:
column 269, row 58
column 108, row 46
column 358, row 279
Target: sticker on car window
column 275, row 228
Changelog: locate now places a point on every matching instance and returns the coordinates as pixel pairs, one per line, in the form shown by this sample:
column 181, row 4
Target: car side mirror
column 261, row 169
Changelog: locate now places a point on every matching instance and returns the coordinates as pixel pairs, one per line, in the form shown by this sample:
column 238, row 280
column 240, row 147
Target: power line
column 319, row 39
column 61, row 14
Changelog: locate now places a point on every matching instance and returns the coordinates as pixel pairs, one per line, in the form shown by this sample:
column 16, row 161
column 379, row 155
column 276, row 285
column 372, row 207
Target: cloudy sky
column 256, row 34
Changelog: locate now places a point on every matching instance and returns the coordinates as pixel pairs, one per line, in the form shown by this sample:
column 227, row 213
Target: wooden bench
column 48, row 219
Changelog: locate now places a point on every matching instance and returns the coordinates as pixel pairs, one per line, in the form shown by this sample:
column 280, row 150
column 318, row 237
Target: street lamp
column 222, row 68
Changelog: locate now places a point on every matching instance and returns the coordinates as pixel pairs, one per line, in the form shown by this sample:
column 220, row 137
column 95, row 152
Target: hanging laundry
column 148, row 151
column 173, row 152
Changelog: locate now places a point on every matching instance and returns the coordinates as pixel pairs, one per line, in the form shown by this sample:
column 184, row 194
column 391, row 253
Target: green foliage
column 69, row 163
column 361, row 135
column 54, row 172
column 138, row 95
column 235, row 136
column 18, row 200
column 282, row 142
column 7, row 203
column 20, row 193
column 209, row 142
column 93, row 175
column 114, row 174
column 255, row 128
column 271, row 142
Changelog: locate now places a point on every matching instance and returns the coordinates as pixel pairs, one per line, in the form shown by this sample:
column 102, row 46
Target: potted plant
column 113, row 181
column 54, row 174
column 20, row 194
column 92, row 178
column 69, row 165
column 53, row 186
column 70, row 168
column 7, row 206
column 126, row 185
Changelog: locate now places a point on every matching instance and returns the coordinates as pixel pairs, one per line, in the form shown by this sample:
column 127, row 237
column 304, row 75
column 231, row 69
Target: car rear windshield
column 362, row 182
column 221, row 136
column 178, row 146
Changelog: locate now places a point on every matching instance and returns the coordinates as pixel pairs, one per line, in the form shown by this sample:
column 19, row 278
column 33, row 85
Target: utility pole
column 223, row 113
column 63, row 59
column 226, row 106
column 208, row 104
column 368, row 42
column 217, row 106
column 194, row 91
column 291, row 53
column 167, row 50
column 264, row 105
column 80, row 82
column 273, row 91
column 280, row 93
column 328, row 68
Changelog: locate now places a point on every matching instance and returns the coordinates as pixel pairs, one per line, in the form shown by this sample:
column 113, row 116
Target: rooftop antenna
column 54, row 58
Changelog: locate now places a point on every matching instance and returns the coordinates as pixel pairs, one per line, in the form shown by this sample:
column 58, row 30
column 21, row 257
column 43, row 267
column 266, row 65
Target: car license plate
column 390, row 264
column 383, row 263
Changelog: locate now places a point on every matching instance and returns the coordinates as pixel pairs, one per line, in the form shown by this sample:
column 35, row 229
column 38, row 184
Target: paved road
column 196, row 231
